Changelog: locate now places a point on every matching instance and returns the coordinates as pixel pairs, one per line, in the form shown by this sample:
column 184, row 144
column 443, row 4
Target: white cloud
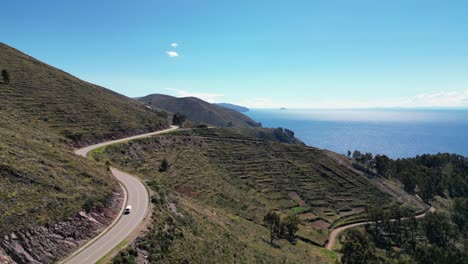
column 209, row 97
column 440, row 99
column 174, row 45
column 172, row 54
column 434, row 99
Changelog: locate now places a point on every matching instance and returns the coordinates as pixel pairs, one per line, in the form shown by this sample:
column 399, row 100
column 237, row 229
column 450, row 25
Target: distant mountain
column 199, row 111
column 238, row 108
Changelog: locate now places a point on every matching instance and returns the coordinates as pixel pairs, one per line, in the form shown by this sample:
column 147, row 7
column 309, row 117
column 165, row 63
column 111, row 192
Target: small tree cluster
column 357, row 249
column 164, row 166
column 128, row 255
column 285, row 228
column 427, row 175
column 366, row 159
column 178, row 119
column 291, row 226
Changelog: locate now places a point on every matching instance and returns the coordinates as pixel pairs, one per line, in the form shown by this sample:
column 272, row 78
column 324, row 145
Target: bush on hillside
column 6, row 76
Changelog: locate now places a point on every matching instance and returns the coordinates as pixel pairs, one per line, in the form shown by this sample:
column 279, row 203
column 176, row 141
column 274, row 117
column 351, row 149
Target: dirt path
column 334, row 234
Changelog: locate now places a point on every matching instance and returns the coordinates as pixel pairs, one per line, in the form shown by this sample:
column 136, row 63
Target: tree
column 357, row 248
column 382, row 164
column 178, row 119
column 272, row 219
column 291, row 224
column 164, row 166
column 413, row 228
column 375, row 214
column 107, row 164
column 437, row 228
column 367, row 160
column 6, row 76
column 460, row 214
column 408, row 182
column 357, row 155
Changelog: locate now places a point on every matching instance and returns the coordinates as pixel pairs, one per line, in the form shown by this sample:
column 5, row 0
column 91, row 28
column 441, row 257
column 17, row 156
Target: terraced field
column 242, row 177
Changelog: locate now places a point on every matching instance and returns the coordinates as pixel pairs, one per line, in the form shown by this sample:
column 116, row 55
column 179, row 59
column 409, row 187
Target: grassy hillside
column 225, row 183
column 41, row 182
column 200, row 111
column 43, row 111
column 78, row 110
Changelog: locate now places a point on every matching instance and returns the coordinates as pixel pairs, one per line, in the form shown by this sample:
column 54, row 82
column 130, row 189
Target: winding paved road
column 334, row 234
column 137, row 196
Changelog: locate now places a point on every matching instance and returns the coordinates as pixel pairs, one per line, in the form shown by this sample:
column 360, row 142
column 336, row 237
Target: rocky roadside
column 46, row 244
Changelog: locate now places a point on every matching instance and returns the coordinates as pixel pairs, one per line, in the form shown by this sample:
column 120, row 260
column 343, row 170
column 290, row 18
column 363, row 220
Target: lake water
column 396, row 133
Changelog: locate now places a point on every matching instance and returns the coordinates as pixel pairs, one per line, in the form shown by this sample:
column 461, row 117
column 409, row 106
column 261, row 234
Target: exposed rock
column 46, row 244
column 4, row 258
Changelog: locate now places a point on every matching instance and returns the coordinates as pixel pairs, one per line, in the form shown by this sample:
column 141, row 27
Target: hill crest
column 200, row 111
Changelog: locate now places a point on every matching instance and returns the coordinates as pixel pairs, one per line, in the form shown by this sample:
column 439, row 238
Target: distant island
column 238, row 108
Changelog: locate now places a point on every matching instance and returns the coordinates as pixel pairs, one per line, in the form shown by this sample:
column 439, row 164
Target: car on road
column 128, row 209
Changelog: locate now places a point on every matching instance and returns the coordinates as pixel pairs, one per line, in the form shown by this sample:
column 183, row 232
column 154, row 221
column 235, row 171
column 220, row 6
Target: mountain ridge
column 238, row 108
column 200, row 111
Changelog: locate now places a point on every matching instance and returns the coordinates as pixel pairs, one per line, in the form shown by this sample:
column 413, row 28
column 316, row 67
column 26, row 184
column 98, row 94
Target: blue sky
column 297, row 54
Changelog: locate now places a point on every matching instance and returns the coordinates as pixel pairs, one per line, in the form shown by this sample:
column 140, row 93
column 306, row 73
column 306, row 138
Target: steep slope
column 52, row 201
column 220, row 185
column 47, row 194
column 82, row 112
column 200, row 111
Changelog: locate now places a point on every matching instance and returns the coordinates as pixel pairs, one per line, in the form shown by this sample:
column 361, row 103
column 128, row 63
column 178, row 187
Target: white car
column 128, row 209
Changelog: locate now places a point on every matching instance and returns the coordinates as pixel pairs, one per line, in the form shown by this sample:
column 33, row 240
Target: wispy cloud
column 172, row 54
column 209, row 97
column 174, row 45
column 433, row 99
column 440, row 99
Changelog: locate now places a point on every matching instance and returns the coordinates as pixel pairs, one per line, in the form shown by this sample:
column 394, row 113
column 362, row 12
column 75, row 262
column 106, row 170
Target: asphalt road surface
column 137, row 197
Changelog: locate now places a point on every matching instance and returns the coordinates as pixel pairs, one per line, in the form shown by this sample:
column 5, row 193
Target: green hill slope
column 200, row 111
column 43, row 184
column 221, row 184
column 80, row 111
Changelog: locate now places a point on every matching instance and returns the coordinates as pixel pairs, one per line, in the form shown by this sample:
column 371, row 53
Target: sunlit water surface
column 395, row 132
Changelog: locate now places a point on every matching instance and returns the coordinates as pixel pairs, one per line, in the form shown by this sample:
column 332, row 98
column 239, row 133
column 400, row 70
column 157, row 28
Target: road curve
column 334, row 234
column 137, row 197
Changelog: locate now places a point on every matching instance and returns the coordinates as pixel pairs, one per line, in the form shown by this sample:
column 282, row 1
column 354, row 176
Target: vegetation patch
column 299, row 209
column 223, row 182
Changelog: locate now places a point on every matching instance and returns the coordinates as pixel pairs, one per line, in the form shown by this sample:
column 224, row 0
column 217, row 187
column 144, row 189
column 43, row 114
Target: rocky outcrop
column 46, row 244
column 4, row 258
